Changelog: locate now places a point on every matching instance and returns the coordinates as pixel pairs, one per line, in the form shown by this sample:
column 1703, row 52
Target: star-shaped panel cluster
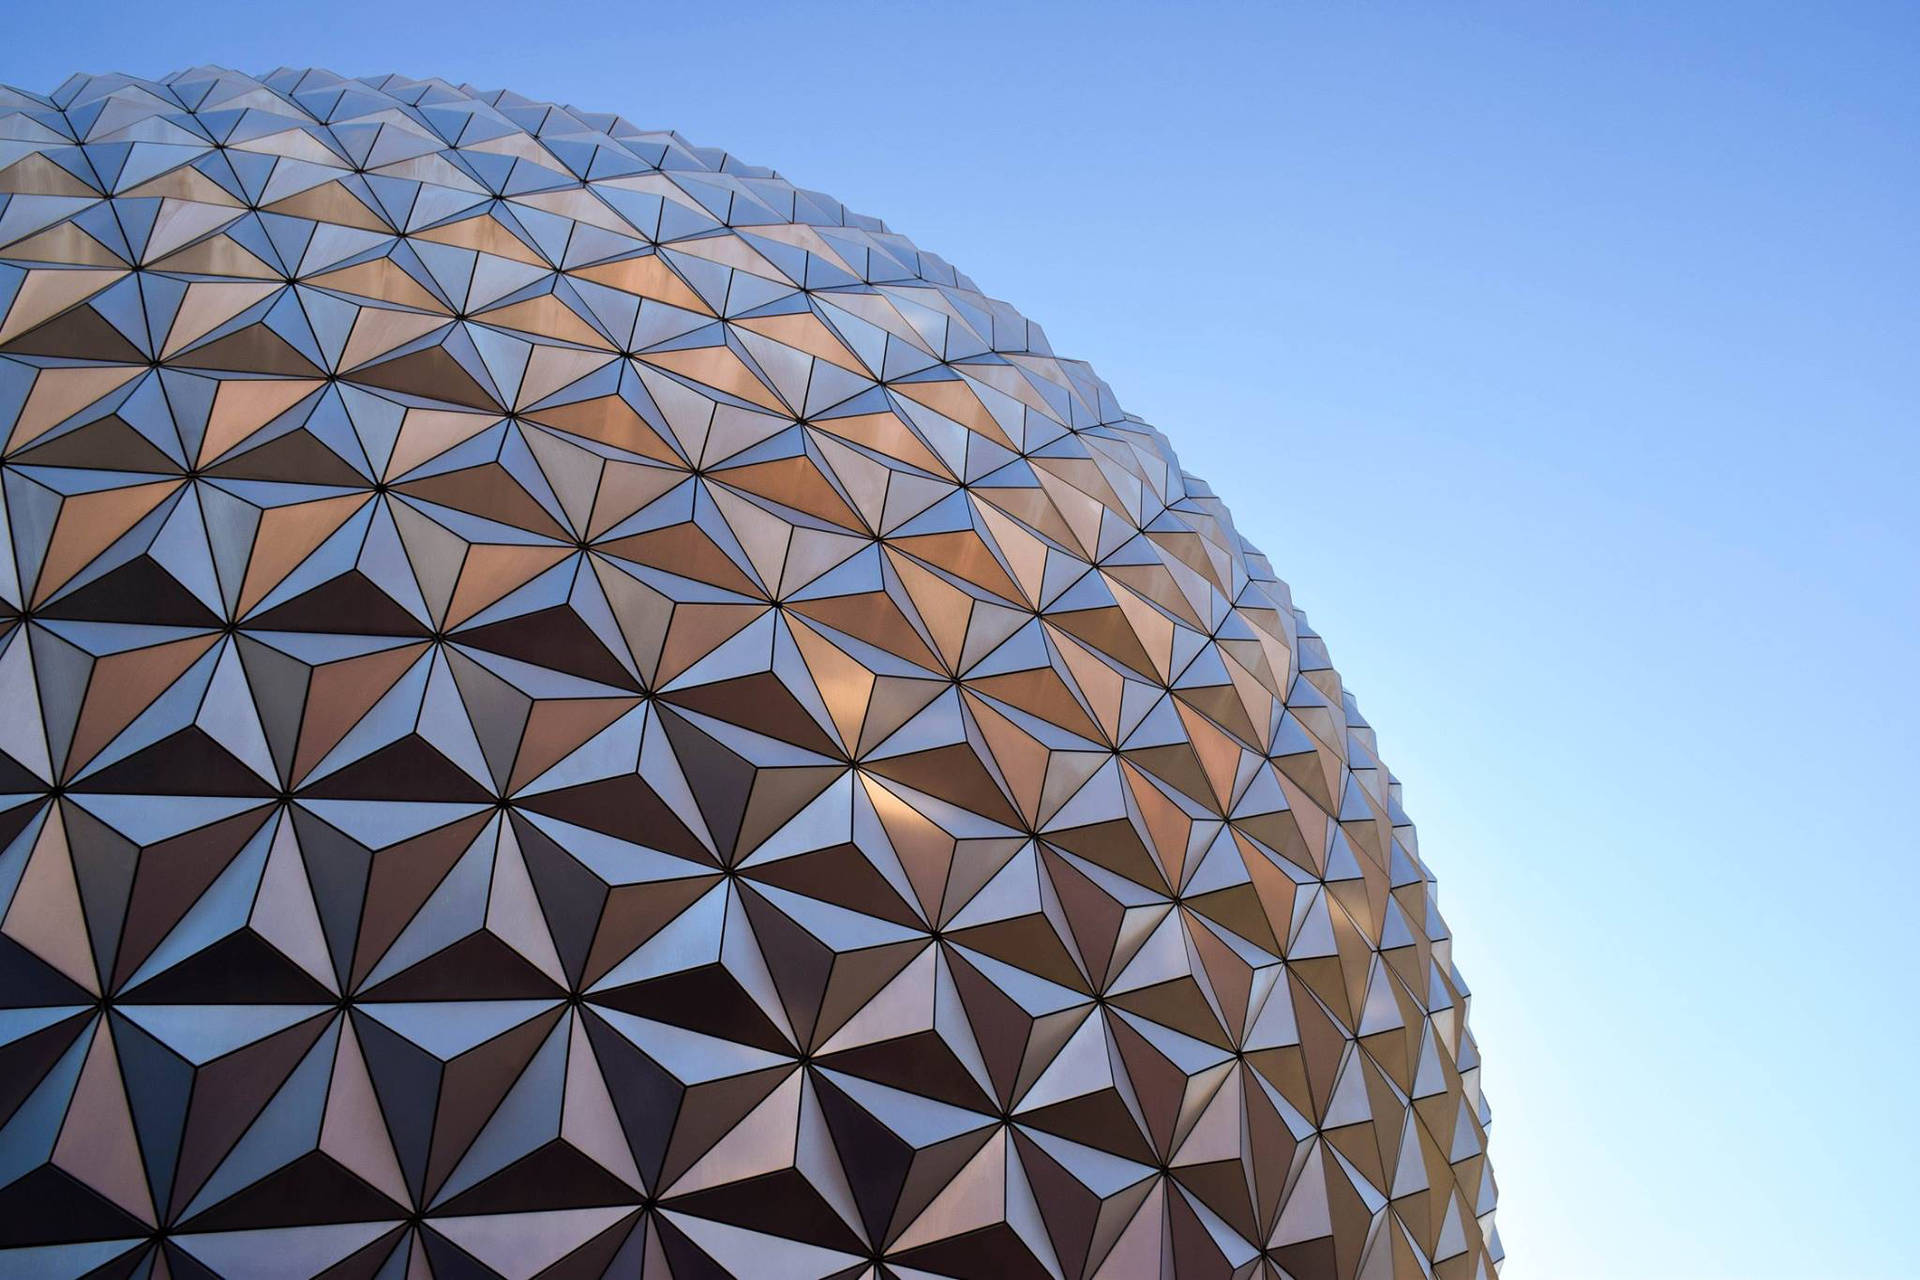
column 570, row 708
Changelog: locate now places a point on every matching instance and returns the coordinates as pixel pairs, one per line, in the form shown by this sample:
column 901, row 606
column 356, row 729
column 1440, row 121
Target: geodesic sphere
column 568, row 707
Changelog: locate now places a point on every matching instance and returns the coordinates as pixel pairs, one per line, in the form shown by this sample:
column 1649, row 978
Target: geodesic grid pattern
column 573, row 709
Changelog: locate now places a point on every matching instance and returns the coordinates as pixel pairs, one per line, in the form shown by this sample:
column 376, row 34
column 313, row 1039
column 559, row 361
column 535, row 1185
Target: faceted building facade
column 570, row 708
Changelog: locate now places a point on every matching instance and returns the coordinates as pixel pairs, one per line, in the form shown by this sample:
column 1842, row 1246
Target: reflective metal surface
column 570, row 708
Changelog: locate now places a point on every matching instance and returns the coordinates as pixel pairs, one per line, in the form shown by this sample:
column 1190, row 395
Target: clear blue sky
column 1564, row 358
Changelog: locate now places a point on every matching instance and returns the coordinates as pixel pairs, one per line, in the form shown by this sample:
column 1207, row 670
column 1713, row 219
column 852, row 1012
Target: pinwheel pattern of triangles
column 571, row 708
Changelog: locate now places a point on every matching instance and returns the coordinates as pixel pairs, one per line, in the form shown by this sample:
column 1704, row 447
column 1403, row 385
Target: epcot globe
column 571, row 708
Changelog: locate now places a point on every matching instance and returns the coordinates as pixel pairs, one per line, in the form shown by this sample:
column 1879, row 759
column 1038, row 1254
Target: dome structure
column 571, row 708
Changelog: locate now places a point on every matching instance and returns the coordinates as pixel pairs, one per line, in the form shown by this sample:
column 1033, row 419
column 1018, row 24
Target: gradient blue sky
column 1563, row 357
